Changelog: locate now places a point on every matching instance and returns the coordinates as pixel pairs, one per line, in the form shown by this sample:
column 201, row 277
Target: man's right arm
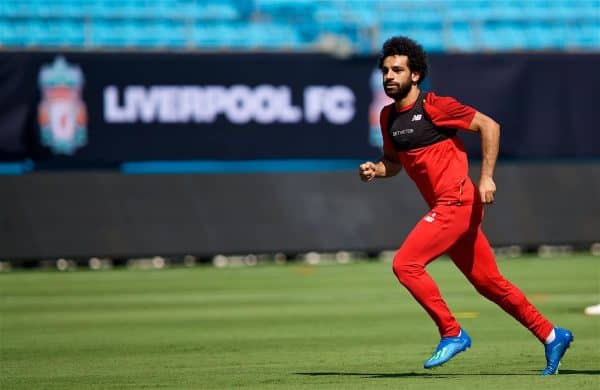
column 381, row 169
column 388, row 165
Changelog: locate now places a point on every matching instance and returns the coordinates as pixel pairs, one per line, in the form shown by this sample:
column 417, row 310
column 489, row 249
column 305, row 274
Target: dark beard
column 401, row 92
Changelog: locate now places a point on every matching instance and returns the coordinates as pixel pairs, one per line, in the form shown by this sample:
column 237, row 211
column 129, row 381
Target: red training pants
column 455, row 230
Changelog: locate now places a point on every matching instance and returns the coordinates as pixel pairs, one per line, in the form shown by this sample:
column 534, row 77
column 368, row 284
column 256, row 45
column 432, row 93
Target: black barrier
column 545, row 103
column 78, row 109
column 85, row 214
column 174, row 113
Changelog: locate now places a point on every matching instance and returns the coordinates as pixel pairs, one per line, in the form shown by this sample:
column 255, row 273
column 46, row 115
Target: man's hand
column 490, row 142
column 487, row 189
column 367, row 170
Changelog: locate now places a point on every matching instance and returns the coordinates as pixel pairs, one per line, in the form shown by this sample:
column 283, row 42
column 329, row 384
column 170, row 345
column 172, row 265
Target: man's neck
column 409, row 99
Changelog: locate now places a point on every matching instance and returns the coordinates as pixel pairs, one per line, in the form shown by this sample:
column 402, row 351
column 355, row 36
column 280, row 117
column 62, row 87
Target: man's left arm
column 489, row 132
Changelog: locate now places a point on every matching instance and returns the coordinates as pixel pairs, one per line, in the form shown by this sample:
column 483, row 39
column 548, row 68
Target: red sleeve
column 448, row 112
column 388, row 148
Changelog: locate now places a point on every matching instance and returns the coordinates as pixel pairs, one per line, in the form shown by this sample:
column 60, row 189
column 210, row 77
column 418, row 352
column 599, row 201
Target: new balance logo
column 430, row 218
column 416, row 117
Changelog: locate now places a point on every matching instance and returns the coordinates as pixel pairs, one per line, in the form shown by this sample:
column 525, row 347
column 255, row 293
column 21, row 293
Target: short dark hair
column 403, row 46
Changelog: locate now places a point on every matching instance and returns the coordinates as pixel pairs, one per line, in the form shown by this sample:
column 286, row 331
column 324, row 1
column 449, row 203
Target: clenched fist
column 487, row 190
column 367, row 171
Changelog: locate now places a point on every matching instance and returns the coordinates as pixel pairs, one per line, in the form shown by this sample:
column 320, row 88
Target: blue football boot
column 447, row 348
column 556, row 349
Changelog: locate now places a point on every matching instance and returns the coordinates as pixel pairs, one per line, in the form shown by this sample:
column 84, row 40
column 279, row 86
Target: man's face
column 397, row 77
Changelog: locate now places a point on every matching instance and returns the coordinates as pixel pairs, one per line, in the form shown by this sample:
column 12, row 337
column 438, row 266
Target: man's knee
column 406, row 270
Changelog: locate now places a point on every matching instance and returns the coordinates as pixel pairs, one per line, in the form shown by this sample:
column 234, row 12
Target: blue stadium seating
column 440, row 25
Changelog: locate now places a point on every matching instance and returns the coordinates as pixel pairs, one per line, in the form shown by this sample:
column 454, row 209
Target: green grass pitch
column 293, row 326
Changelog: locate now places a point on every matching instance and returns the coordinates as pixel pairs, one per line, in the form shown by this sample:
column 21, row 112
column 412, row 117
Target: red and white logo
column 62, row 114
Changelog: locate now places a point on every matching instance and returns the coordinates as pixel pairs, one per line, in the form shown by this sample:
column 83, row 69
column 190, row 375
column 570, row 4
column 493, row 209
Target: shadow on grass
column 434, row 375
column 578, row 372
column 373, row 375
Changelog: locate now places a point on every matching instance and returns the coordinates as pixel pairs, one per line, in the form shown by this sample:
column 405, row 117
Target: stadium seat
column 500, row 36
column 461, row 37
column 440, row 25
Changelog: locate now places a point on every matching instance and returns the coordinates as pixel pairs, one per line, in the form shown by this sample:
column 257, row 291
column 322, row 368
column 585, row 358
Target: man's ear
column 415, row 76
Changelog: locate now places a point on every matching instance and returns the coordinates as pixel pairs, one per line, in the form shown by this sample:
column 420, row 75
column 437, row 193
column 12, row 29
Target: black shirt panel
column 413, row 129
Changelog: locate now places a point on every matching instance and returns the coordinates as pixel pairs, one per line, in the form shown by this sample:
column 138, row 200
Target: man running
column 419, row 133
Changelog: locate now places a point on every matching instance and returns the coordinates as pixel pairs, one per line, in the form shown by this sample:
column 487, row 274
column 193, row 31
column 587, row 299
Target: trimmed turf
column 294, row 326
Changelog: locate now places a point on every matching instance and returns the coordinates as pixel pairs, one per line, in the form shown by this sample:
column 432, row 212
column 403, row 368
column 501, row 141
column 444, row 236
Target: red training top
column 440, row 170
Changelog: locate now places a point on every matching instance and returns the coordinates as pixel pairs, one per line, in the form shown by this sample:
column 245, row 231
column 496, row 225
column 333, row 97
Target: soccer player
column 419, row 133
